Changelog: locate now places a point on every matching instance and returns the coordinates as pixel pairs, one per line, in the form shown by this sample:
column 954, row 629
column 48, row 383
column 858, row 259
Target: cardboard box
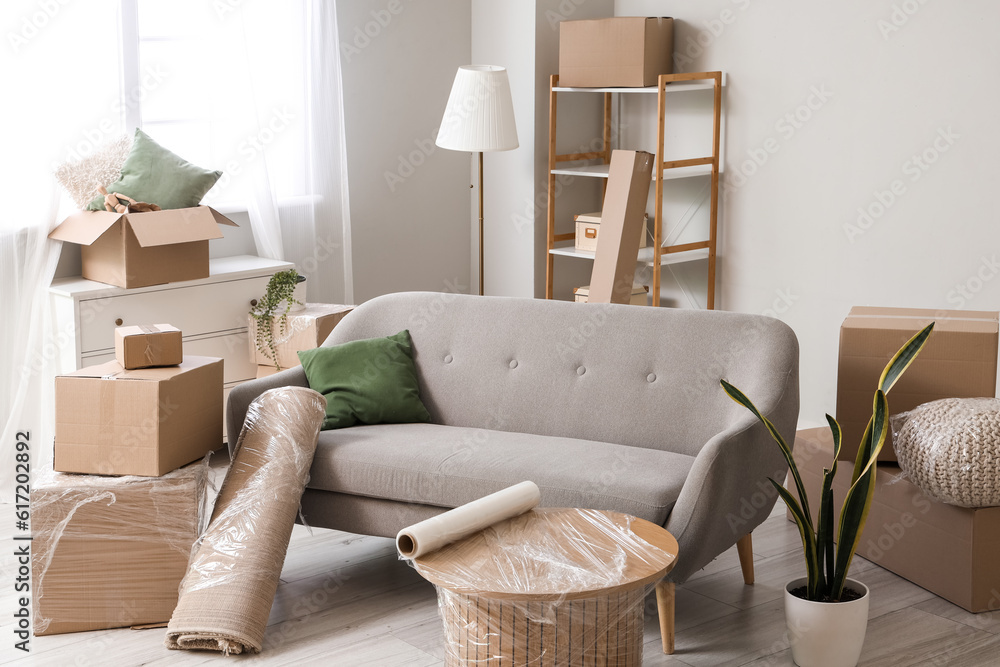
column 588, row 230
column 622, row 218
column 306, row 329
column 142, row 249
column 622, row 51
column 110, row 421
column 951, row 551
column 266, row 371
column 639, row 292
column 110, row 552
column 148, row 345
column 958, row 361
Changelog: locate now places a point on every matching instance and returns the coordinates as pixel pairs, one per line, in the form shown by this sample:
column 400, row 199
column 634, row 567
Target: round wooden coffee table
column 552, row 587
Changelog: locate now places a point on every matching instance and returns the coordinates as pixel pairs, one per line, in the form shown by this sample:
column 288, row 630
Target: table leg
column 665, row 610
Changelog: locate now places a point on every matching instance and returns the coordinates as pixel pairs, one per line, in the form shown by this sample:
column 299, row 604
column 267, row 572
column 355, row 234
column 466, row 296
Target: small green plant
column 280, row 289
column 826, row 564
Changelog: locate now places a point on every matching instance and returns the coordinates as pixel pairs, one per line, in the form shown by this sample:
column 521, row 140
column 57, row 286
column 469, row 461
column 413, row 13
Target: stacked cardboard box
column 618, row 51
column 305, row 329
column 110, row 552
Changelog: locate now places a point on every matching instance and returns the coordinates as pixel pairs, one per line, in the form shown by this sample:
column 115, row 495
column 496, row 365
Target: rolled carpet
column 226, row 595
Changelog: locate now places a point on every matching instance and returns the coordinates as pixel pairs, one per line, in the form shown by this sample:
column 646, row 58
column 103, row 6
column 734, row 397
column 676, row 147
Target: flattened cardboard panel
column 622, row 217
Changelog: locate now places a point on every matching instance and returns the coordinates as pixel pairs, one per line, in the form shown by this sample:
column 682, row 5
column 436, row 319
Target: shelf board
column 601, row 171
column 568, row 249
column 677, row 87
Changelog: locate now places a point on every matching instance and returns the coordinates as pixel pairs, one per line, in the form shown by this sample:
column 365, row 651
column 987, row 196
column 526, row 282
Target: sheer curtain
column 255, row 90
column 62, row 98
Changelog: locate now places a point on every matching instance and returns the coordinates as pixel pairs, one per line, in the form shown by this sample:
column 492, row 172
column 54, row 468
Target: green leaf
column 741, row 398
column 813, row 571
column 899, row 363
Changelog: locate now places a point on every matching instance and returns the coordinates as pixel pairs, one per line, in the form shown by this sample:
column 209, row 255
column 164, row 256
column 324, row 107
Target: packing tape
column 106, row 412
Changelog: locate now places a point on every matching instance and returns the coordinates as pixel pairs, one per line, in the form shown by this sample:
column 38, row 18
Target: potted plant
column 825, row 612
column 279, row 299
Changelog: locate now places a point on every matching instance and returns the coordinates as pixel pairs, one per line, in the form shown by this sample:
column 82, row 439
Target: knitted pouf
column 951, row 449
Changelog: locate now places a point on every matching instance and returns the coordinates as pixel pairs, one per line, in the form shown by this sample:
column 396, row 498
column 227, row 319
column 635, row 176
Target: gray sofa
column 603, row 406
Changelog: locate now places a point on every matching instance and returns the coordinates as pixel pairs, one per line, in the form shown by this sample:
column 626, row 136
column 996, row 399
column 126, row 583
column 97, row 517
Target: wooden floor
column 346, row 600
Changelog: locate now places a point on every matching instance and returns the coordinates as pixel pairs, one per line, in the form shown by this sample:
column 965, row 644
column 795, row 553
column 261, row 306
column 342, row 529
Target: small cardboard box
column 148, row 345
column 266, row 371
column 142, row 249
column 958, row 361
column 951, row 551
column 110, row 552
column 622, row 219
column 110, row 421
column 306, row 329
column 639, row 292
column 621, row 51
column 588, row 229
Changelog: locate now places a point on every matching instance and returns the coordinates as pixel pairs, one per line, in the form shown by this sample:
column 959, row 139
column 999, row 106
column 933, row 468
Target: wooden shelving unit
column 658, row 255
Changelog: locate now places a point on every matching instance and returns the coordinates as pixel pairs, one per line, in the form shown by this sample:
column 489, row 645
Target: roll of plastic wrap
column 453, row 525
column 226, row 596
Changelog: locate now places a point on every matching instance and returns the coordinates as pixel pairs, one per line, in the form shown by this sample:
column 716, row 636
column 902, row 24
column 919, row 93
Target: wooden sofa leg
column 744, row 547
column 665, row 610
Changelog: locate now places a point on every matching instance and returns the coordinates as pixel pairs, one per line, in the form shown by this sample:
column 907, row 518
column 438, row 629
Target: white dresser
column 211, row 312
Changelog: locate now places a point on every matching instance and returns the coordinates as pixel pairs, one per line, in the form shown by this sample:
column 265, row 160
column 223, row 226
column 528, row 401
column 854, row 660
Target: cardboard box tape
column 226, row 596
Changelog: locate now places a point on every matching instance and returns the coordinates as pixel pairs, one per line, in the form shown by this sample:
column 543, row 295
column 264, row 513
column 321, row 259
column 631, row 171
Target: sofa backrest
column 638, row 376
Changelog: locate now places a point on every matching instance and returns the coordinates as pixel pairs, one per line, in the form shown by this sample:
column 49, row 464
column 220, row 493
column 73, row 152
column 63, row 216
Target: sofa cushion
column 448, row 466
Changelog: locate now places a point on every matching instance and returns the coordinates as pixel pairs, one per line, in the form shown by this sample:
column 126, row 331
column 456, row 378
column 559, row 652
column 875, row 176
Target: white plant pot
column 826, row 634
column 299, row 295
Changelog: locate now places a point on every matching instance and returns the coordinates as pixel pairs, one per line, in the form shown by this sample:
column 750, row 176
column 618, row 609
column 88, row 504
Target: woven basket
column 951, row 449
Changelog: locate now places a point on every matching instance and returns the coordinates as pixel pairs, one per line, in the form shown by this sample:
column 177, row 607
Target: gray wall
column 410, row 226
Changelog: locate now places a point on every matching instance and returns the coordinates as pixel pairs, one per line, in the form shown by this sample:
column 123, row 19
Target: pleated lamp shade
column 480, row 113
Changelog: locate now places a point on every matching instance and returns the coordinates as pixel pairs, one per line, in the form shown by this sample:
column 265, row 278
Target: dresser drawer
column 233, row 348
column 195, row 310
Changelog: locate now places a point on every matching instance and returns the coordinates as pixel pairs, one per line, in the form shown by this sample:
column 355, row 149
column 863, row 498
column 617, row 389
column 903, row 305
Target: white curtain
column 61, row 99
column 277, row 130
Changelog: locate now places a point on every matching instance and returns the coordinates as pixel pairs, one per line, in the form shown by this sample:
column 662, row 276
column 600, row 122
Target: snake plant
column 829, row 559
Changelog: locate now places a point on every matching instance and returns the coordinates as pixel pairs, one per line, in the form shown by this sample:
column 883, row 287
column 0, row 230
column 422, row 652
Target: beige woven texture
column 951, row 449
column 226, row 596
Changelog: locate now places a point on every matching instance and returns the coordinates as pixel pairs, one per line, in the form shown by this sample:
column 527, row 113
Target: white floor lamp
column 479, row 117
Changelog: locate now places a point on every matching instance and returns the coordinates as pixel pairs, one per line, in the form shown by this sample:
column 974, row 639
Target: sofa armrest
column 727, row 493
column 243, row 395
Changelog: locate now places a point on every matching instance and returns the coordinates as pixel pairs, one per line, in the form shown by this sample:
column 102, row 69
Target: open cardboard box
column 951, row 551
column 142, row 249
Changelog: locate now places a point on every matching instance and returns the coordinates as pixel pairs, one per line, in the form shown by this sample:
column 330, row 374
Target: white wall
column 884, row 86
column 409, row 199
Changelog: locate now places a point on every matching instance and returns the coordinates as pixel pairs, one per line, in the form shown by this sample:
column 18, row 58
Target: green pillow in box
column 154, row 175
column 371, row 381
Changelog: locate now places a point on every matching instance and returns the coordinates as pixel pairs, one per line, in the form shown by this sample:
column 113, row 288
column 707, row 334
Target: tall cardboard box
column 958, row 361
column 951, row 551
column 142, row 249
column 305, row 330
column 148, row 345
column 621, row 51
column 110, row 552
column 112, row 421
column 622, row 218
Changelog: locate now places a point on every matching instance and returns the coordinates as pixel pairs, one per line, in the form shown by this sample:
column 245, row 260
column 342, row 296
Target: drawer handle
column 119, row 322
column 253, row 303
column 590, row 233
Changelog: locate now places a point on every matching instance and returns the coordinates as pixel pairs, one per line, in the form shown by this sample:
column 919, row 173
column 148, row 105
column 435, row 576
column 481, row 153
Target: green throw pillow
column 369, row 381
column 154, row 175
